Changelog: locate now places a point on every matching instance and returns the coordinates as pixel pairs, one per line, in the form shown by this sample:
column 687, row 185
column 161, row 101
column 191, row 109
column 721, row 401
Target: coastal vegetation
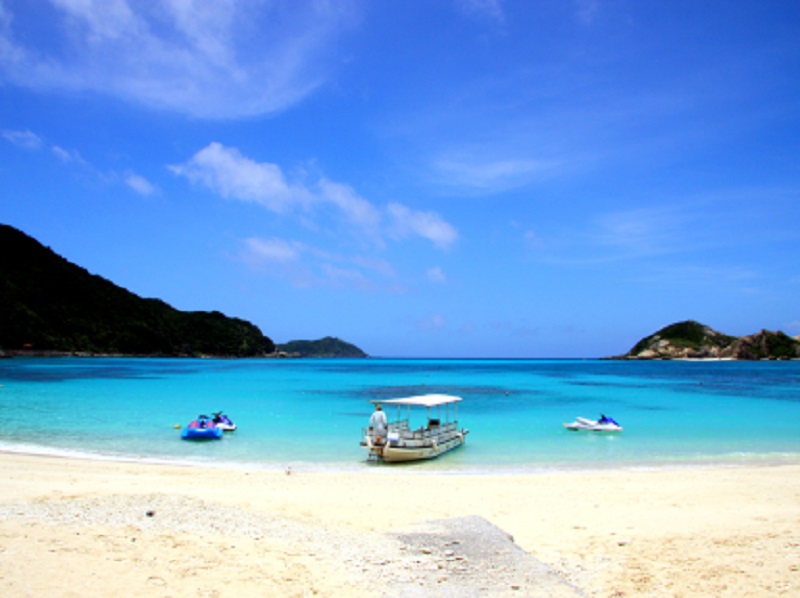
column 325, row 347
column 52, row 306
column 692, row 340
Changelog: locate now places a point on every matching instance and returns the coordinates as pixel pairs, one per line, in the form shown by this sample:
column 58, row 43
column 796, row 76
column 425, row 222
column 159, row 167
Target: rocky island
column 325, row 347
column 692, row 340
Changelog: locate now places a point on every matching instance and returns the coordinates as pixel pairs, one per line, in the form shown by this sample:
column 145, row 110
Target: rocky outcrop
column 692, row 340
column 766, row 345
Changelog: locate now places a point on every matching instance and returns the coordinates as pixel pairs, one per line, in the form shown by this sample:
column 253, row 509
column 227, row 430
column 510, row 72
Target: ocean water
column 308, row 414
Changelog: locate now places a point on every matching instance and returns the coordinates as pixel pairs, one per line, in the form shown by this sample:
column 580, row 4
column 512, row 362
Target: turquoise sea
column 308, row 414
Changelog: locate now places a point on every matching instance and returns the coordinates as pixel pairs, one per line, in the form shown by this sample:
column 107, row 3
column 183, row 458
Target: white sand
column 81, row 528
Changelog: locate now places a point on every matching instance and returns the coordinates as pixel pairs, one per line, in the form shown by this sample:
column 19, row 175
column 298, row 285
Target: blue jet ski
column 202, row 428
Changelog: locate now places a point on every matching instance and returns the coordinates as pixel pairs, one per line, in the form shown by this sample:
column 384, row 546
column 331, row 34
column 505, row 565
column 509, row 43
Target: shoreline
column 423, row 468
column 166, row 530
column 282, row 355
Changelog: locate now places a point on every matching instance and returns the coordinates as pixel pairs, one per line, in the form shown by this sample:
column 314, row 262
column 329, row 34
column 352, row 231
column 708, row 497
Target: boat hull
column 214, row 433
column 591, row 425
column 397, row 454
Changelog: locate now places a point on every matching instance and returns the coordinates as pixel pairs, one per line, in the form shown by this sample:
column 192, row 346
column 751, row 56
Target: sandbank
column 73, row 527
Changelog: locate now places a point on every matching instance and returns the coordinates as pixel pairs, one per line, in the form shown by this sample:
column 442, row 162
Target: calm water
column 309, row 413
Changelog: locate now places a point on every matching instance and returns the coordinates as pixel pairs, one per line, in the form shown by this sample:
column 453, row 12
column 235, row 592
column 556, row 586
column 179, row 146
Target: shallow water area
column 308, row 414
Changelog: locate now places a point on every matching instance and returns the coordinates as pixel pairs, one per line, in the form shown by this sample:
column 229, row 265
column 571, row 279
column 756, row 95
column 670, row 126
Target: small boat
column 404, row 443
column 202, row 428
column 223, row 421
column 604, row 424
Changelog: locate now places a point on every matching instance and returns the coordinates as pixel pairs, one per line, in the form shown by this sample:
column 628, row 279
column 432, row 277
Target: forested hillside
column 48, row 304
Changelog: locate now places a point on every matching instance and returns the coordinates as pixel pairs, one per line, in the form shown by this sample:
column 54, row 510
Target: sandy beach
column 94, row 528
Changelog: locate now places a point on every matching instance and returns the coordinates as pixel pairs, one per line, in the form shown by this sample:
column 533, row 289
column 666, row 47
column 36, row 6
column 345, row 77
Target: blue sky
column 458, row 178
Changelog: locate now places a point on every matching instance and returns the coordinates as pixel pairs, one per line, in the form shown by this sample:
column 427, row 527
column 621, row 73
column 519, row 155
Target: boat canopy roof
column 423, row 400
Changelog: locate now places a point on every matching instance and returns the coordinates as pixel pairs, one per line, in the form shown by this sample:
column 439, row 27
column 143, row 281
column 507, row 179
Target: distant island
column 326, row 347
column 692, row 340
column 50, row 306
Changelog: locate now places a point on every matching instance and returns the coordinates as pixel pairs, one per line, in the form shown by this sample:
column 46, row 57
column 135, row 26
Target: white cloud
column 358, row 210
column 68, row 155
column 61, row 153
column 428, row 225
column 25, row 139
column 230, row 174
column 227, row 172
column 139, row 184
column 206, row 59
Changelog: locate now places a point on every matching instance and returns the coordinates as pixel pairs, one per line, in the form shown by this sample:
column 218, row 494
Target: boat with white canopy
column 437, row 435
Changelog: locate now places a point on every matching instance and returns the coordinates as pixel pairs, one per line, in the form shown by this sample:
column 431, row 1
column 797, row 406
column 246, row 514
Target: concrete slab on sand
column 468, row 556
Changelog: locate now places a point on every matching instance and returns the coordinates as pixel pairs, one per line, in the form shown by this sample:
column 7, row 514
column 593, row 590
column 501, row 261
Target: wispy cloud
column 267, row 251
column 203, row 59
column 428, row 225
column 620, row 235
column 230, row 174
column 643, row 231
column 71, row 157
column 345, row 277
column 32, row 141
column 670, row 229
column 324, row 206
column 308, row 266
column 68, row 156
column 25, row 139
column 358, row 210
column 490, row 174
column 140, row 184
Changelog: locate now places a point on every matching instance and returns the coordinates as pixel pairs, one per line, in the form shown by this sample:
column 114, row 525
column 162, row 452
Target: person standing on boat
column 378, row 423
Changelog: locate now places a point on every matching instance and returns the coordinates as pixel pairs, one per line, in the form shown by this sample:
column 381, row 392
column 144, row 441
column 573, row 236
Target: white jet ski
column 604, row 424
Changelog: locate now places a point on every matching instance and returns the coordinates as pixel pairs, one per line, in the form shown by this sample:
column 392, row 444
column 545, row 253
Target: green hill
column 692, row 340
column 326, row 347
column 48, row 304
